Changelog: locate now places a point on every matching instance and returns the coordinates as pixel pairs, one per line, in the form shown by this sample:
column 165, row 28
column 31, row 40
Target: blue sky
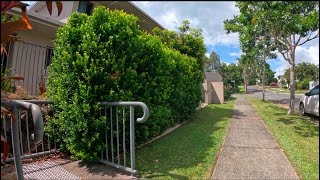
column 209, row 16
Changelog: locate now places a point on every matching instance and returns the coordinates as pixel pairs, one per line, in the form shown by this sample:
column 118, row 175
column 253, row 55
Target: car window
column 314, row 91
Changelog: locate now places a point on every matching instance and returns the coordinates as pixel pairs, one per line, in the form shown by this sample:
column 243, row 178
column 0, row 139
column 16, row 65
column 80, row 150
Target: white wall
column 33, row 37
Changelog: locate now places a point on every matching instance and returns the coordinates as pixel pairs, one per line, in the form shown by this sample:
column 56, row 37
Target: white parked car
column 309, row 103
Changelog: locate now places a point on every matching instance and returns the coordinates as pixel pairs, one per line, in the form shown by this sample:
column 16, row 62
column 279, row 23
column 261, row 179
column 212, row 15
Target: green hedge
column 304, row 84
column 106, row 57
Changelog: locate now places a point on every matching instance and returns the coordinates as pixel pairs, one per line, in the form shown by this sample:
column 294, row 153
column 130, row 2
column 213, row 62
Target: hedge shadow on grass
column 189, row 151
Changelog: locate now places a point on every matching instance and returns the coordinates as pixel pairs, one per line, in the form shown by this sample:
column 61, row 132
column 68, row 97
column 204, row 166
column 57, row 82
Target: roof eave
column 37, row 17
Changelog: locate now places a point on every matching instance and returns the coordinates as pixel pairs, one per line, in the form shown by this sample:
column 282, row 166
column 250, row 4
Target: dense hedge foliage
column 106, row 57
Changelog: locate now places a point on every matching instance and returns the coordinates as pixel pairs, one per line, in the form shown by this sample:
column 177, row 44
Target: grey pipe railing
column 41, row 104
column 38, row 128
column 131, row 103
column 142, row 119
column 36, row 114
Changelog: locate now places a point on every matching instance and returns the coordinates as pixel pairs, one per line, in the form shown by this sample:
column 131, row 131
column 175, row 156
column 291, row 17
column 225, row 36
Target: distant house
column 31, row 57
column 282, row 81
column 212, row 88
column 312, row 84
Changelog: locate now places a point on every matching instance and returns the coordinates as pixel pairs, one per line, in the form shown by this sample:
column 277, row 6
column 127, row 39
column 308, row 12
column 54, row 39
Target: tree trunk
column 263, row 75
column 245, row 78
column 292, row 82
column 246, row 84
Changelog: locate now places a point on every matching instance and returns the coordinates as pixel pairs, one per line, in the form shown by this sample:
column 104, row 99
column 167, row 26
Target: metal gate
column 112, row 155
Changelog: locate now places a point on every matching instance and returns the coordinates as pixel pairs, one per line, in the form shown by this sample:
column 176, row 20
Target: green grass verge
column 190, row 151
column 284, row 90
column 298, row 137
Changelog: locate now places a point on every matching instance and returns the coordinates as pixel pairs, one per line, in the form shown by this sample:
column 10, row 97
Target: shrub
column 228, row 90
column 304, row 84
column 106, row 57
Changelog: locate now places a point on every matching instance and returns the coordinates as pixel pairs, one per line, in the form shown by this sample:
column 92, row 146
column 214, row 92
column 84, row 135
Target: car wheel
column 301, row 107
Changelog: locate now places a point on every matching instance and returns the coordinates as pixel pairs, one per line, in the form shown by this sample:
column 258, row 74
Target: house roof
column 146, row 22
column 145, row 14
column 40, row 23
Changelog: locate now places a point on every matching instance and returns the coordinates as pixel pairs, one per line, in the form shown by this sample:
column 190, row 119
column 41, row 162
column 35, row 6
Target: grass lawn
column 284, row 90
column 298, row 137
column 190, row 151
column 241, row 90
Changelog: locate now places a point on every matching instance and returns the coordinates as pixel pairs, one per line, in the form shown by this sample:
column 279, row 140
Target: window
column 85, row 7
column 314, row 91
column 49, row 54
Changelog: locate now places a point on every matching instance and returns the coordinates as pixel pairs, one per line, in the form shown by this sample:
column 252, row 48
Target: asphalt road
column 277, row 98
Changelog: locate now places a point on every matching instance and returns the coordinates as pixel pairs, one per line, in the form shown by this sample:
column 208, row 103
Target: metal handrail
column 142, row 119
column 131, row 103
column 32, row 105
column 41, row 104
column 38, row 130
column 36, row 114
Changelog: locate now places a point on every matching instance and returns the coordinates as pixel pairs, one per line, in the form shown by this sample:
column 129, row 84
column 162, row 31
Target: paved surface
column 277, row 98
column 64, row 168
column 249, row 150
column 92, row 170
column 47, row 170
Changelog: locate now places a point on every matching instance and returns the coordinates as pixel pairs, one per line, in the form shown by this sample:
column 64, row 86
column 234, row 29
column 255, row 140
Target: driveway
column 277, row 98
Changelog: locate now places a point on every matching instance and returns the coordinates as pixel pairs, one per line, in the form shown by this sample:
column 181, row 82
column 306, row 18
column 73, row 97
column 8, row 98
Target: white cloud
column 206, row 15
column 226, row 63
column 209, row 16
column 237, row 54
column 208, row 55
column 170, row 20
column 282, row 65
column 309, row 52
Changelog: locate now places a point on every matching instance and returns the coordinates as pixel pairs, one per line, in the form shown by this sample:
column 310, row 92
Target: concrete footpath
column 249, row 150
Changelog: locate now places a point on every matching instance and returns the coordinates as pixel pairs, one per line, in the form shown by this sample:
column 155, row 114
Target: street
column 277, row 98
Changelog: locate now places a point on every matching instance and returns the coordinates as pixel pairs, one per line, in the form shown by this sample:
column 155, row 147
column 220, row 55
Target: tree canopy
column 213, row 63
column 285, row 25
column 187, row 41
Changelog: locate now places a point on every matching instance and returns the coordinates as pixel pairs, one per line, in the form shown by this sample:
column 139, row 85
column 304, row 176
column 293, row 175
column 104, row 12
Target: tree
column 288, row 24
column 305, row 72
column 254, row 45
column 269, row 74
column 231, row 72
column 188, row 40
column 247, row 63
column 213, row 63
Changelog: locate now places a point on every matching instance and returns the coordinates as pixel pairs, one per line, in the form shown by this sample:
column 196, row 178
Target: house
column 212, row 88
column 313, row 83
column 282, row 81
column 31, row 57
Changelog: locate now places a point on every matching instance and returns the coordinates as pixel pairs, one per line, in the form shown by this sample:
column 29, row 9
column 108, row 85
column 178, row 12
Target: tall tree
column 213, row 63
column 231, row 72
column 304, row 71
column 254, row 45
column 289, row 23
